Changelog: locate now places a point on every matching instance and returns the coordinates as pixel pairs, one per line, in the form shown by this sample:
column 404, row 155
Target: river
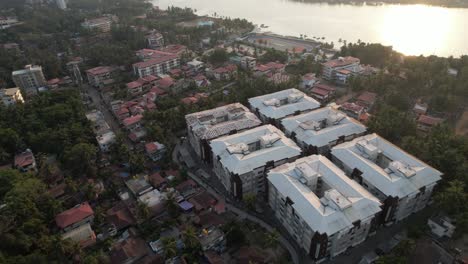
column 410, row 29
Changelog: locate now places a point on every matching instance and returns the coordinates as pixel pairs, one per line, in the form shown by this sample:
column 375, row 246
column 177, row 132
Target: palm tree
column 190, row 238
column 143, row 211
column 170, row 247
column 272, row 241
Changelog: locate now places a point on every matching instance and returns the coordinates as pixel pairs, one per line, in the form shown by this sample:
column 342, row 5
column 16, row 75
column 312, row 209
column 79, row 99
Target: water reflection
column 411, row 29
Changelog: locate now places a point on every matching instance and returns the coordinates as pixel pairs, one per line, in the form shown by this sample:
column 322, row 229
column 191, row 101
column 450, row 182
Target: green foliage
column 218, row 56
column 170, row 247
column 274, row 55
column 373, row 54
column 49, row 123
column 250, row 201
column 399, row 254
column 81, row 159
column 392, row 124
column 234, row 234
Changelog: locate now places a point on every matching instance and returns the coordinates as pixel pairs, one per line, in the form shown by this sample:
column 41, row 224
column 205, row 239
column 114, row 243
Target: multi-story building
column 62, row 4
column 248, row 62
column 322, row 209
column 271, row 108
column 104, row 135
column 154, row 39
column 242, row 160
column 207, row 125
column 155, row 150
column 319, row 130
column 142, row 84
column 99, row 75
column 340, row 69
column 6, row 22
column 155, row 62
column 101, row 24
column 29, row 79
column 10, row 96
column 402, row 182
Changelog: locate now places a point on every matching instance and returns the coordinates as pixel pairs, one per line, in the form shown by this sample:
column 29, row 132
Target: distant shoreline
column 433, row 3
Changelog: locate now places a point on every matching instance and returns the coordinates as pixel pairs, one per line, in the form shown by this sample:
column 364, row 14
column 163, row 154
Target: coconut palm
column 170, row 247
column 190, row 238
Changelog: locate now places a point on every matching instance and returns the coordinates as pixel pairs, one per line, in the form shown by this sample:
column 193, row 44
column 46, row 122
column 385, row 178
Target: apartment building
column 99, row 75
column 101, row 24
column 271, row 108
column 11, row 96
column 248, row 63
column 29, row 79
column 155, row 62
column 402, row 182
column 154, row 39
column 319, row 130
column 339, row 70
column 324, row 211
column 104, row 135
column 207, row 125
column 242, row 160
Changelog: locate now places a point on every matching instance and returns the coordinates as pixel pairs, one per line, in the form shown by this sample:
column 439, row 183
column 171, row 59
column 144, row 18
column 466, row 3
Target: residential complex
column 403, row 183
column 101, row 24
column 29, row 79
column 319, row 130
column 204, row 126
column 98, row 76
column 339, row 70
column 11, row 96
column 242, row 160
column 271, row 108
column 104, row 135
column 324, row 211
column 154, row 39
column 155, row 62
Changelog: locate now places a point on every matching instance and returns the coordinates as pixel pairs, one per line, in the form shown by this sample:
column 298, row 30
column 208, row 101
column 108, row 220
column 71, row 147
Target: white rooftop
column 283, row 103
column 251, row 149
column 106, row 138
column 387, row 167
column 220, row 121
column 334, row 206
column 151, row 198
column 320, row 127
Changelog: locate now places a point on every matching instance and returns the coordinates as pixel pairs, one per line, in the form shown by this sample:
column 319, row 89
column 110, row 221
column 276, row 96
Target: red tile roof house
column 129, row 251
column 132, row 123
column 322, row 92
column 367, row 99
column 175, row 49
column 53, row 83
column 201, row 81
column 75, row 217
column 165, row 83
column 308, row 80
column 225, row 73
column 155, row 150
column 271, row 67
column 426, row 122
column 203, row 201
column 97, row 76
column 142, row 84
column 158, row 91
column 155, row 63
column 157, row 180
column 120, row 216
column 25, row 162
column 353, row 110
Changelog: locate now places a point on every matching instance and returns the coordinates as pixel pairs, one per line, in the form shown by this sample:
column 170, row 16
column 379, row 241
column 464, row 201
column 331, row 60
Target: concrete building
column 77, row 216
column 319, row 130
column 7, row 22
column 402, row 182
column 339, row 70
column 271, row 108
column 10, row 96
column 62, row 4
column 324, row 211
column 207, row 125
column 100, row 24
column 155, row 62
column 104, row 135
column 248, row 62
column 241, row 161
column 155, row 150
column 154, row 39
column 99, row 75
column 441, row 226
column 83, row 235
column 29, row 79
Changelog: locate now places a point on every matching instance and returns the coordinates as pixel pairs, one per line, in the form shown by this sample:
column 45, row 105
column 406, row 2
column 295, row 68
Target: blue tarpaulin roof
column 185, row 205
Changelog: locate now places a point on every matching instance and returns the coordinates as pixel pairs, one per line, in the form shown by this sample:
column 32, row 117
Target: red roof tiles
column 74, row 215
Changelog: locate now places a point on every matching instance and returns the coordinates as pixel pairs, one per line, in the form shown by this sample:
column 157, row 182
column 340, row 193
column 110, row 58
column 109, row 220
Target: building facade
column 99, row 75
column 29, row 79
column 319, row 130
column 101, row 24
column 155, row 62
column 322, row 209
column 242, row 160
column 11, row 96
column 402, row 182
column 340, row 69
column 202, row 127
column 271, row 108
